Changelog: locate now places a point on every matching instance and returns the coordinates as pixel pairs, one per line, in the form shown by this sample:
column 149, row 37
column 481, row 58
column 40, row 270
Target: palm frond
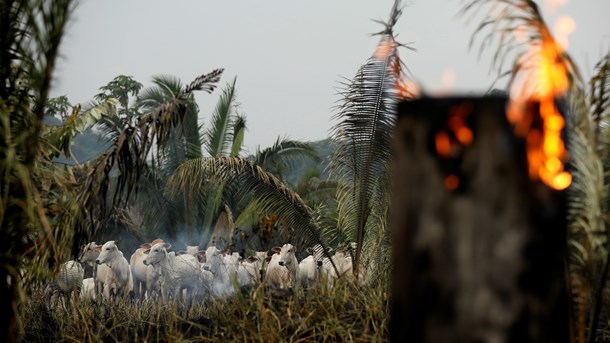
column 270, row 194
column 218, row 137
column 313, row 189
column 283, row 154
column 239, row 131
column 365, row 118
column 599, row 98
column 167, row 88
column 206, row 82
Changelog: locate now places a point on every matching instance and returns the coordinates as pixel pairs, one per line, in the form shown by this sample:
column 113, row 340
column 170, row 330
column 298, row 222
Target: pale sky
column 289, row 56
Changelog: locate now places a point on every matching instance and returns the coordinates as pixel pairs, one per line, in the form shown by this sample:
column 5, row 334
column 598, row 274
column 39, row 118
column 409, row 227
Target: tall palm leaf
column 366, row 116
column 219, row 136
column 239, row 131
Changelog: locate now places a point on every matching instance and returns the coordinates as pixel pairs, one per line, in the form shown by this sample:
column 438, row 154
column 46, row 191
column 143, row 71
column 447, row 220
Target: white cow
column 178, row 272
column 283, row 269
column 118, row 280
column 252, row 269
column 343, row 262
column 145, row 278
column 88, row 255
column 224, row 269
column 311, row 268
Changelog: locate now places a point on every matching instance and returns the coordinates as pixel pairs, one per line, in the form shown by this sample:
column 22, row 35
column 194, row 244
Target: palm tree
column 135, row 142
column 366, row 116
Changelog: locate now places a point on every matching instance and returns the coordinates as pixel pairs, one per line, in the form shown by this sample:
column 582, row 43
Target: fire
column 384, row 49
column 443, row 144
column 455, row 136
column 546, row 151
column 451, row 182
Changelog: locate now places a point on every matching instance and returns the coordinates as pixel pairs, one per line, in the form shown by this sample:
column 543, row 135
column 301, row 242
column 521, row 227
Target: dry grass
column 346, row 313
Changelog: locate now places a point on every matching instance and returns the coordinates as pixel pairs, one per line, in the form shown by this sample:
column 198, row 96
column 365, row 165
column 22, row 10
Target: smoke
column 553, row 5
column 564, row 26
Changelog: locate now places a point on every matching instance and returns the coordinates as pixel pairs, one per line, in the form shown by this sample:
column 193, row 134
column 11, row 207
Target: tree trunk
column 478, row 247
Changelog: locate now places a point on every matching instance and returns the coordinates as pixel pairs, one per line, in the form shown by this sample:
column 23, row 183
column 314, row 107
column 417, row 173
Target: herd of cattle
column 155, row 271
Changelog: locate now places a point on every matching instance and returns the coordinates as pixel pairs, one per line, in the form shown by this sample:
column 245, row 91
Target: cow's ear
column 294, row 249
column 276, row 250
column 145, row 246
column 147, row 251
column 252, row 259
column 167, row 246
column 98, row 248
column 268, row 258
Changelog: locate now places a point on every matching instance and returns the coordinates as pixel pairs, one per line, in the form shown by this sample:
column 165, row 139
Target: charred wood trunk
column 478, row 247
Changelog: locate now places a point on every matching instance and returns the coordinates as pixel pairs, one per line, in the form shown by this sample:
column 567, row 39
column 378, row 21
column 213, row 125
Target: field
column 345, row 313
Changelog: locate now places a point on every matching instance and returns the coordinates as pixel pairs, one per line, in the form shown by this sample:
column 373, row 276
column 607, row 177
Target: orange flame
column 443, row 144
column 451, row 182
column 546, row 152
column 387, row 49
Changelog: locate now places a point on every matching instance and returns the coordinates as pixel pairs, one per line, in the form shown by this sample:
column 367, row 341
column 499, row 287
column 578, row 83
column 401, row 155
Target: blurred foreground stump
column 478, row 247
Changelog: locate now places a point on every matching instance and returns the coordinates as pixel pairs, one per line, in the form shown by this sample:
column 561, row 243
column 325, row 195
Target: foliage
column 58, row 107
column 31, row 33
column 365, row 117
column 120, row 88
column 76, row 123
column 271, row 195
column 280, row 158
column 134, row 142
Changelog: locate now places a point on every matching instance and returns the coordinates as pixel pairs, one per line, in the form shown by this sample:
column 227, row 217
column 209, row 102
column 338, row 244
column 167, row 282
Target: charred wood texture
column 478, row 247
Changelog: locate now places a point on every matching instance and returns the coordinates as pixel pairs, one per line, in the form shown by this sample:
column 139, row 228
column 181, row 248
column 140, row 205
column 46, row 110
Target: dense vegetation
column 135, row 163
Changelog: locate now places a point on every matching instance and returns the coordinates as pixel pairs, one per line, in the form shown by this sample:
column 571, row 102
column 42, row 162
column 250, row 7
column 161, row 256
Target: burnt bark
column 478, row 247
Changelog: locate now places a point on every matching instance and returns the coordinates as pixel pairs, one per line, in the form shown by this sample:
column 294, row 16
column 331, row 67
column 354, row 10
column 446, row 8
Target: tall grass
column 344, row 313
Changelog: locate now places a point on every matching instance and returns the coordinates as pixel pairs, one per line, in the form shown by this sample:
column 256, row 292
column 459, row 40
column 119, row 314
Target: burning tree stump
column 478, row 247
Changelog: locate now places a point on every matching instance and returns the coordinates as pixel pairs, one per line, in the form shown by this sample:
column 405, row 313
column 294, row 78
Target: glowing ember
column 443, row 144
column 452, row 182
column 546, row 152
column 384, row 49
